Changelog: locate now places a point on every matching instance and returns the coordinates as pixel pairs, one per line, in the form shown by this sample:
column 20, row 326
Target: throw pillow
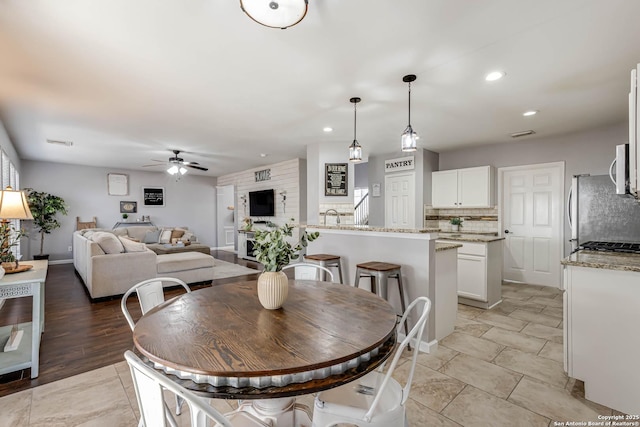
column 108, row 242
column 152, row 236
column 131, row 246
column 186, row 237
column 165, row 236
column 176, row 233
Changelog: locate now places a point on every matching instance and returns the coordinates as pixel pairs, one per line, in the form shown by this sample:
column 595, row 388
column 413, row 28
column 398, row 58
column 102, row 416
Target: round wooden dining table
column 221, row 343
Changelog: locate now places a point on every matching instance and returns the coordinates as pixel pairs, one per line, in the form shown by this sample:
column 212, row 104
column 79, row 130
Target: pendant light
column 275, row 13
column 355, row 149
column 409, row 137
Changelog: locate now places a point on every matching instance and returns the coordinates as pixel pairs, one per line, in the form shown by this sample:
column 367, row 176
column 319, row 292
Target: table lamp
column 13, row 205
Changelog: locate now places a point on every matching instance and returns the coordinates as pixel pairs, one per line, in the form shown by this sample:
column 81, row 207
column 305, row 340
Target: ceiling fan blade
column 155, row 164
column 190, row 163
column 196, row 167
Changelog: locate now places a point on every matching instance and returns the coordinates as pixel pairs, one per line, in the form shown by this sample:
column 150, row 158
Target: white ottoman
column 190, row 267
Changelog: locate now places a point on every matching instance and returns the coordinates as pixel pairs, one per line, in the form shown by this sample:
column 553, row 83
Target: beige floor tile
column 93, row 398
column 539, row 318
column 468, row 311
column 475, row 407
column 546, row 370
column 15, row 409
column 506, row 307
column 420, row 415
column 515, row 339
column 502, row 321
column 552, row 402
column 553, row 311
column 524, row 296
column 523, row 305
column 544, row 332
column 430, row 388
column 473, row 346
column 471, row 327
column 548, row 301
column 483, row 375
column 553, row 351
column 436, row 358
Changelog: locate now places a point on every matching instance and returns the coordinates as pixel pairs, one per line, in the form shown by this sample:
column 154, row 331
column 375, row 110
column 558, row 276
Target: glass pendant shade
column 355, row 152
column 409, row 139
column 175, row 169
column 275, row 13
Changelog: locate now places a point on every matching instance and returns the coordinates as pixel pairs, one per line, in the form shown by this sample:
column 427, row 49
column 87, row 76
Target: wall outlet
column 70, row 248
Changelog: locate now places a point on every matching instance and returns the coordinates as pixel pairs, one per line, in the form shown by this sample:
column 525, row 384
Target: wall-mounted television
column 262, row 203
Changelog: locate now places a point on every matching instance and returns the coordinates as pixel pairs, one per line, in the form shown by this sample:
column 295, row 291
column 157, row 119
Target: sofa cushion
column 183, row 261
column 152, row 236
column 165, row 235
column 140, row 231
column 187, row 237
column 120, row 231
column 177, row 233
column 131, row 245
column 108, row 242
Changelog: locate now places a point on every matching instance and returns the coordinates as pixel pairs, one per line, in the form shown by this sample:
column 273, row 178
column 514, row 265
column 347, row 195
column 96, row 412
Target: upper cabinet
column 463, row 188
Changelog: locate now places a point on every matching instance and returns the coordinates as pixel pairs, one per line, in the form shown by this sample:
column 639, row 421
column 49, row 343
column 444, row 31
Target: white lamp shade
column 409, row 139
column 173, row 170
column 275, row 13
column 13, row 205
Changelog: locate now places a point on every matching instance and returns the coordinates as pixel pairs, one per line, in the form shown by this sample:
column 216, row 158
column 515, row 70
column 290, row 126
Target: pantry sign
column 400, row 164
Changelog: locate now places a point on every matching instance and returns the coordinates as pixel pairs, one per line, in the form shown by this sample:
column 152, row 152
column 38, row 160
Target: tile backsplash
column 344, row 209
column 483, row 220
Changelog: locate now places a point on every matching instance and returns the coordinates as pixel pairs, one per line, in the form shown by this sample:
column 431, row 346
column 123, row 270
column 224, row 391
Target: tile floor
column 501, row 367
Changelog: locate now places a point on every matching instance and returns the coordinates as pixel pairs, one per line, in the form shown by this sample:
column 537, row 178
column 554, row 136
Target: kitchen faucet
column 337, row 216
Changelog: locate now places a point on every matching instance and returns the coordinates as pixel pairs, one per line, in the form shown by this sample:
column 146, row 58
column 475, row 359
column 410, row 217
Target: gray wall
column 189, row 202
column 361, row 179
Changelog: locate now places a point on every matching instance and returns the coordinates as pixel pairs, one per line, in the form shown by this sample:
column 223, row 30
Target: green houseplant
column 272, row 250
column 44, row 207
column 456, row 223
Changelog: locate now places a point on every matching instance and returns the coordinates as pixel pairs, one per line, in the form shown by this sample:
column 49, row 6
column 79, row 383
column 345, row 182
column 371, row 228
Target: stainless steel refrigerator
column 601, row 219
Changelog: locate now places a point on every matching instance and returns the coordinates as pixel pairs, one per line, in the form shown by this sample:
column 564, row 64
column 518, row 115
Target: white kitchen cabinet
column 463, row 188
column 600, row 330
column 479, row 273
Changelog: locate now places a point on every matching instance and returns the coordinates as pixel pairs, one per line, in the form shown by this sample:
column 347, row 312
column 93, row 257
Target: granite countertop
column 446, row 246
column 604, row 260
column 470, row 237
column 378, row 229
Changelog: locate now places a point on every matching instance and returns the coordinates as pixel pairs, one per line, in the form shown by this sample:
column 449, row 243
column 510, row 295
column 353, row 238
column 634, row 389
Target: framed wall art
column 128, row 207
column 153, row 196
column 335, row 182
column 117, row 184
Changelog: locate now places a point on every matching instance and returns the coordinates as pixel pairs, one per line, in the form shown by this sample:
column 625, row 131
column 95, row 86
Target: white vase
column 455, row 227
column 273, row 289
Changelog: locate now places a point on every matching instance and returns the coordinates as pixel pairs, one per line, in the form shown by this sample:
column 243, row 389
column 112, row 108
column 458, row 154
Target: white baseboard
column 59, row 261
column 425, row 347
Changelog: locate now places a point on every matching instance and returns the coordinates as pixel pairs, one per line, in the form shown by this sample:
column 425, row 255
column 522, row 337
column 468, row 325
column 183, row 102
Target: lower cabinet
column 480, row 273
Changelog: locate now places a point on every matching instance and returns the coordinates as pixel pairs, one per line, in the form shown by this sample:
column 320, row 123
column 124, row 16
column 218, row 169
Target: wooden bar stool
column 381, row 272
column 327, row 261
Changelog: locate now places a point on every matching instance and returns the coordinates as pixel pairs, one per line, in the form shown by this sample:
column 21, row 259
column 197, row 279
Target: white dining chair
column 150, row 384
column 151, row 293
column 377, row 399
column 309, row 271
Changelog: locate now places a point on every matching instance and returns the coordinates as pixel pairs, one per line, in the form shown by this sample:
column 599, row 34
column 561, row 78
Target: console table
column 17, row 285
column 131, row 224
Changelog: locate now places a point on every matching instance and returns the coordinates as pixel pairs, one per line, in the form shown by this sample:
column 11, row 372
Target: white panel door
column 400, row 201
column 531, row 219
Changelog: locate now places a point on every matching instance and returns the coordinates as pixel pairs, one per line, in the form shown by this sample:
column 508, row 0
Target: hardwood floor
column 80, row 335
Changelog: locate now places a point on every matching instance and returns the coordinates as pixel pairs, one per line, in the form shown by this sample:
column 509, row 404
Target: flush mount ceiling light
column 409, row 137
column 355, row 149
column 327, row 129
column 275, row 13
column 495, row 75
column 530, row 113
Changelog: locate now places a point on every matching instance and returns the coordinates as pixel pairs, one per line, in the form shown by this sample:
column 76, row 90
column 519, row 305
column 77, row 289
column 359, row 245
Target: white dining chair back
column 377, row 399
column 150, row 293
column 309, row 271
column 149, row 385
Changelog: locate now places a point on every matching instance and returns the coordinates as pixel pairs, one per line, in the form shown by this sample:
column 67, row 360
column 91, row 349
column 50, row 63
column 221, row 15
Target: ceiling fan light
column 183, row 170
column 173, row 170
column 409, row 140
column 355, row 152
column 275, row 13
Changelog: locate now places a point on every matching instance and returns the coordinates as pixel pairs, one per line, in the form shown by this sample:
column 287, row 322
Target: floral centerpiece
column 273, row 251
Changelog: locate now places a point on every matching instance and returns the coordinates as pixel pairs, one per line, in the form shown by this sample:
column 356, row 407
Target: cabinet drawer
column 467, row 248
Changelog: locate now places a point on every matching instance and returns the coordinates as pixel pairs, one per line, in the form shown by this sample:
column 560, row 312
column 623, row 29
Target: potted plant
column 125, row 216
column 44, row 207
column 456, row 223
column 10, row 238
column 273, row 251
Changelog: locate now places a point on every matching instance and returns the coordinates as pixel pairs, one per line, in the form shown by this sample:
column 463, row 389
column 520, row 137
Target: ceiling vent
column 523, row 133
column 56, row 142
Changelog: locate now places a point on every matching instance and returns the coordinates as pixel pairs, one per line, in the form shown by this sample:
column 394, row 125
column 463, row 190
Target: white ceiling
column 127, row 81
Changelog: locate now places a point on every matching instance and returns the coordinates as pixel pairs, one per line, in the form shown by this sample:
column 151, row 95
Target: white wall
column 7, row 146
column 189, row 202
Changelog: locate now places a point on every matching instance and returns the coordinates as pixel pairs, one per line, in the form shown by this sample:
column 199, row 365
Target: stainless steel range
column 633, row 248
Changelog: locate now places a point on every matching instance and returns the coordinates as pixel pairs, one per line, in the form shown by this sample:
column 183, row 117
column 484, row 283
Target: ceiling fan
column 177, row 164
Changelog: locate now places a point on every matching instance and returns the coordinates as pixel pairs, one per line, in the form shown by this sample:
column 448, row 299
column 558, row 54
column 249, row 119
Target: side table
column 17, row 285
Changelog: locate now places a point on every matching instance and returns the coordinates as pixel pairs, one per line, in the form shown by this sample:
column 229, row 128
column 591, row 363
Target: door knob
column 506, row 231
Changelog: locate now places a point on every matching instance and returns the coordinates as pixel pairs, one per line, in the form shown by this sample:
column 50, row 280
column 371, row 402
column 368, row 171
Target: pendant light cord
column 409, row 103
column 355, row 105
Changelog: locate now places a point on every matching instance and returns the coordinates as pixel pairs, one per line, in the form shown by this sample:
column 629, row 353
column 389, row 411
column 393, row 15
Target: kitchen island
column 601, row 306
column 413, row 249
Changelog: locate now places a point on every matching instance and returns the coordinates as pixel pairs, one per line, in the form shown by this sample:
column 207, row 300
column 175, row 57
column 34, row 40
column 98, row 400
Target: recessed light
column 327, row 129
column 263, row 154
column 495, row 75
column 530, row 113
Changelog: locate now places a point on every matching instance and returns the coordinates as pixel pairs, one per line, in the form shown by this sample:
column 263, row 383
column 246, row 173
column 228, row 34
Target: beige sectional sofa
column 110, row 262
